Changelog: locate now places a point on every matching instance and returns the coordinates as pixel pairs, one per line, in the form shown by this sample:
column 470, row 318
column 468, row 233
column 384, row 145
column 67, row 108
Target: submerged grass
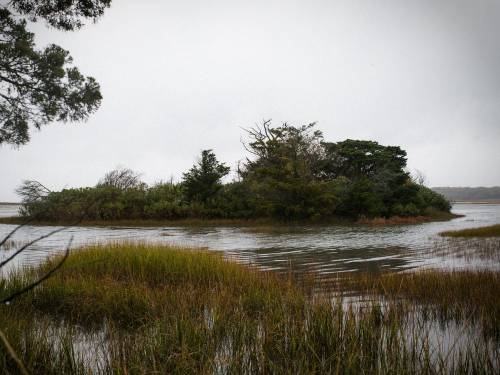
column 146, row 308
column 407, row 220
column 471, row 250
column 467, row 295
column 13, row 244
column 489, row 231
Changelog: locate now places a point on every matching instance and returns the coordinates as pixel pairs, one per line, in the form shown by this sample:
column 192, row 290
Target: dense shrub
column 294, row 175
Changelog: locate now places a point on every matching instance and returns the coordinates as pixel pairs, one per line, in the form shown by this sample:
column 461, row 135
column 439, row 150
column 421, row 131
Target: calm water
column 7, row 210
column 323, row 249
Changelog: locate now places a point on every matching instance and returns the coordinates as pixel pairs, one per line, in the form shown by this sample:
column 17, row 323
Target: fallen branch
column 41, row 279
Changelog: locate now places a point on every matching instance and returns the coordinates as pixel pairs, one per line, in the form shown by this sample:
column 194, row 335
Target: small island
column 291, row 175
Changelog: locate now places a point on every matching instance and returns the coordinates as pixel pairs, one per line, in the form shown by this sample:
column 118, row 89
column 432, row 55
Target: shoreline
column 244, row 223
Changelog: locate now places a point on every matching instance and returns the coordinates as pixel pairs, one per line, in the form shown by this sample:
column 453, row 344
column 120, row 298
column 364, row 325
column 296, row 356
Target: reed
column 144, row 308
column 466, row 295
column 472, row 250
column 489, row 231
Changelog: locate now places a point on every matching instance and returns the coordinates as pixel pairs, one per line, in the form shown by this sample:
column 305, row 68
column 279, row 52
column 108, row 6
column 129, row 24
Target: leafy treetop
column 293, row 174
column 61, row 14
column 40, row 86
column 203, row 180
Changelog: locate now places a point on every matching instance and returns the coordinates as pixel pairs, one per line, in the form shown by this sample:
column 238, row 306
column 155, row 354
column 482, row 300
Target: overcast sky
column 181, row 76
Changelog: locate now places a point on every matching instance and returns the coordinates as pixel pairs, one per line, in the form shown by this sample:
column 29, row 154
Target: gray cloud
column 178, row 77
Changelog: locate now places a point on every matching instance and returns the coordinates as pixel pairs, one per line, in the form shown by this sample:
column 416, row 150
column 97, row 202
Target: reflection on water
column 460, row 252
column 321, row 249
column 443, row 342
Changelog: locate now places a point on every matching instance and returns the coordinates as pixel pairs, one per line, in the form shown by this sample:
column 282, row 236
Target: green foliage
column 40, row 86
column 64, row 15
column 165, row 201
column 233, row 201
column 356, row 159
column 293, row 175
column 361, row 199
column 427, row 198
column 282, row 175
column 203, row 180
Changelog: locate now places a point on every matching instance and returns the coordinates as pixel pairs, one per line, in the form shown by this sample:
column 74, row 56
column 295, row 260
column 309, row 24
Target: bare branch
column 80, row 219
column 122, row 178
column 20, row 250
column 6, row 238
column 41, row 279
column 32, row 190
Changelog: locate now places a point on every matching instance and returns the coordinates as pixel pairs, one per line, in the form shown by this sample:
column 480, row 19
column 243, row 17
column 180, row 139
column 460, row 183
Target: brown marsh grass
column 489, row 231
column 150, row 309
column 461, row 295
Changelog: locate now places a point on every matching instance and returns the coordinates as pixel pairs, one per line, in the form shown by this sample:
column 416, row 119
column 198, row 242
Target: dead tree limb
column 41, row 279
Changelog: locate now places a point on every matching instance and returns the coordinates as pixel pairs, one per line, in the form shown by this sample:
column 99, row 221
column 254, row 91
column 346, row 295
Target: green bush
column 294, row 175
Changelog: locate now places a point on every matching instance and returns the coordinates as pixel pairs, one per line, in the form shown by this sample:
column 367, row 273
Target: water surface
column 322, row 249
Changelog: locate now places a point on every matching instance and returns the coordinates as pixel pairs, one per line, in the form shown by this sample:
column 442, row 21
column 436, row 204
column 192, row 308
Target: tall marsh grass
column 489, row 231
column 148, row 309
column 472, row 250
column 464, row 296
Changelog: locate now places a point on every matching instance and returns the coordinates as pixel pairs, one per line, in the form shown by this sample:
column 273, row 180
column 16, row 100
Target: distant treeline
column 469, row 193
column 292, row 173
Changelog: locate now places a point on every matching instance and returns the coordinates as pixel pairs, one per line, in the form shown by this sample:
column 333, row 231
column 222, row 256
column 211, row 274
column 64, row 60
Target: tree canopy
column 62, row 14
column 357, row 158
column 41, row 86
column 283, row 171
column 292, row 173
column 203, row 180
